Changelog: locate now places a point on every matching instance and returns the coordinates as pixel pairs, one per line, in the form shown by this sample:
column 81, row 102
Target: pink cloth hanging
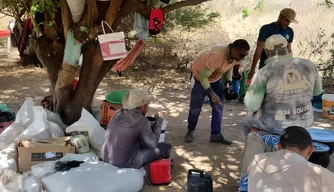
column 124, row 63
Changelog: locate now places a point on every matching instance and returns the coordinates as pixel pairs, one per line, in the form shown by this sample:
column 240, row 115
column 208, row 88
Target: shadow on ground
column 171, row 92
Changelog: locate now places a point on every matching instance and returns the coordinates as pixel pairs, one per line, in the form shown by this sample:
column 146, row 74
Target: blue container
column 235, row 86
column 243, row 184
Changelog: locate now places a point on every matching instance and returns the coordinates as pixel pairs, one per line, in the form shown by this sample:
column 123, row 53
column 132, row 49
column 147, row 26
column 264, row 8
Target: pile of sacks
column 34, row 123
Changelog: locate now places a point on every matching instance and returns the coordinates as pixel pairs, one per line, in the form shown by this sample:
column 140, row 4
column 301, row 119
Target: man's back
column 127, row 132
column 289, row 84
column 286, row 171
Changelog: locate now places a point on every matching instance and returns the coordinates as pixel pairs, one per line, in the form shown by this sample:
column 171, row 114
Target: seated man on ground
column 281, row 92
column 288, row 168
column 130, row 142
column 279, row 95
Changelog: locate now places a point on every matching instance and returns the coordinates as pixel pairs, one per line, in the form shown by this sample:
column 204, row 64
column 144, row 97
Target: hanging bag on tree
column 112, row 44
column 156, row 21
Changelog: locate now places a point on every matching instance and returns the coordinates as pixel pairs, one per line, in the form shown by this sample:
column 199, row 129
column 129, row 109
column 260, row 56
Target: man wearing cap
column 281, row 26
column 288, row 169
column 130, row 142
column 279, row 96
column 281, row 92
column 207, row 71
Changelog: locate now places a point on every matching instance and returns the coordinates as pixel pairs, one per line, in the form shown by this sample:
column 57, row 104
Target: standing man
column 207, row 71
column 281, row 26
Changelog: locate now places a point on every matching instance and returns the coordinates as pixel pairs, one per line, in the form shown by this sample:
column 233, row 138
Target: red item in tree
column 156, row 21
column 74, row 83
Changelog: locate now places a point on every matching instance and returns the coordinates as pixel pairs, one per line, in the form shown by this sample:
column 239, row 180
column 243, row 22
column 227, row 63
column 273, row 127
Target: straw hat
column 275, row 40
column 135, row 98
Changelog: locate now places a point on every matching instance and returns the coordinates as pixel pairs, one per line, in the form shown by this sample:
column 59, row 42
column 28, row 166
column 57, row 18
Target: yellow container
column 328, row 106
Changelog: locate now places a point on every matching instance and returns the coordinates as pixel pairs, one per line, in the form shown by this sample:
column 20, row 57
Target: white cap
column 275, row 40
column 135, row 98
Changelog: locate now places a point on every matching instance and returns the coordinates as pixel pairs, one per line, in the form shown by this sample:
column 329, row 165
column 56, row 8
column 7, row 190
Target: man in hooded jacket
column 130, row 142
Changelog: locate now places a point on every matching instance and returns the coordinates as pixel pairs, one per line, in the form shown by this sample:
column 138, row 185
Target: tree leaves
column 189, row 18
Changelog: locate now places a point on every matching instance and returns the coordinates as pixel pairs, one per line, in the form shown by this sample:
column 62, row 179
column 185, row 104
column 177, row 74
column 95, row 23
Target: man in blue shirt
column 281, row 26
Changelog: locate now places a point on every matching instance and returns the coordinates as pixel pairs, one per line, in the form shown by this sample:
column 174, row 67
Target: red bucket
column 160, row 172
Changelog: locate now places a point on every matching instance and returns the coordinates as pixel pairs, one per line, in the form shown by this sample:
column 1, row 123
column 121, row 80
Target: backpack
column 156, row 21
column 6, row 115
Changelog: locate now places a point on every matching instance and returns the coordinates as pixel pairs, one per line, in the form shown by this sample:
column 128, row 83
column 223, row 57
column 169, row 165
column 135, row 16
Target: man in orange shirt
column 207, row 71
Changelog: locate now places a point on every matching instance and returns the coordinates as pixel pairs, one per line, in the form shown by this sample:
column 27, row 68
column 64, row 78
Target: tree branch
column 66, row 16
column 138, row 6
column 130, row 6
column 50, row 53
column 180, row 4
column 90, row 14
column 112, row 11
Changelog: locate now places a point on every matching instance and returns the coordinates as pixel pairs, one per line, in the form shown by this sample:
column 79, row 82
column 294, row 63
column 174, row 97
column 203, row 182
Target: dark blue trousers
column 198, row 94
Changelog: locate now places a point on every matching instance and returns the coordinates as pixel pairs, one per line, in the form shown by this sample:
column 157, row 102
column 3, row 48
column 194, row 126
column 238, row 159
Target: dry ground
column 171, row 92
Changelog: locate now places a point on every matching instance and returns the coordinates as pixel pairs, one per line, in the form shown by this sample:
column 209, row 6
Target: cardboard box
column 33, row 152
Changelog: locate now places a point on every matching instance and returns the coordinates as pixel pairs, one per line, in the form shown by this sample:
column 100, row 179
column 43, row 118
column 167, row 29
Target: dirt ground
column 171, row 93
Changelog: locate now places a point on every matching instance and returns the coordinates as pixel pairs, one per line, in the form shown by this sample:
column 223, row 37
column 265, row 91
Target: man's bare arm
column 256, row 58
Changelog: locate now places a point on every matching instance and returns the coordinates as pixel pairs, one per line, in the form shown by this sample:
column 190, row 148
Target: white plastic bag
column 43, row 169
column 25, row 115
column 12, row 181
column 76, row 8
column 38, row 129
column 47, row 168
column 95, row 132
column 8, row 158
column 95, row 176
column 32, row 184
column 55, row 118
column 86, row 157
column 55, row 130
column 8, row 135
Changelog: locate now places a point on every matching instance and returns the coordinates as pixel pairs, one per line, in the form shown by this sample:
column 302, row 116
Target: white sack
column 95, row 132
column 47, row 168
column 8, row 135
column 32, row 184
column 8, row 158
column 38, row 129
column 95, row 176
column 25, row 115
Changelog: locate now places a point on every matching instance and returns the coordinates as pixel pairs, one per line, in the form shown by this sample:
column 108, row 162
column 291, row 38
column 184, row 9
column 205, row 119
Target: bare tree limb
column 90, row 14
column 50, row 53
column 180, row 4
column 65, row 16
column 130, row 6
column 138, row 6
column 112, row 11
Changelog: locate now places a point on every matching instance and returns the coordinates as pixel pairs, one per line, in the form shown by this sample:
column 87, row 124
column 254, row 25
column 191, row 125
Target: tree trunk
column 68, row 102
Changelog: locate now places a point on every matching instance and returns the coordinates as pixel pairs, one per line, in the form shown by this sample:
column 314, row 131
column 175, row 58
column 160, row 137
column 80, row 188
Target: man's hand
column 215, row 98
column 250, row 74
column 228, row 84
column 159, row 115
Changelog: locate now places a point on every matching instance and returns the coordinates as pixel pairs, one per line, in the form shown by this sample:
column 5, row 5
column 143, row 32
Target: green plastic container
column 116, row 97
